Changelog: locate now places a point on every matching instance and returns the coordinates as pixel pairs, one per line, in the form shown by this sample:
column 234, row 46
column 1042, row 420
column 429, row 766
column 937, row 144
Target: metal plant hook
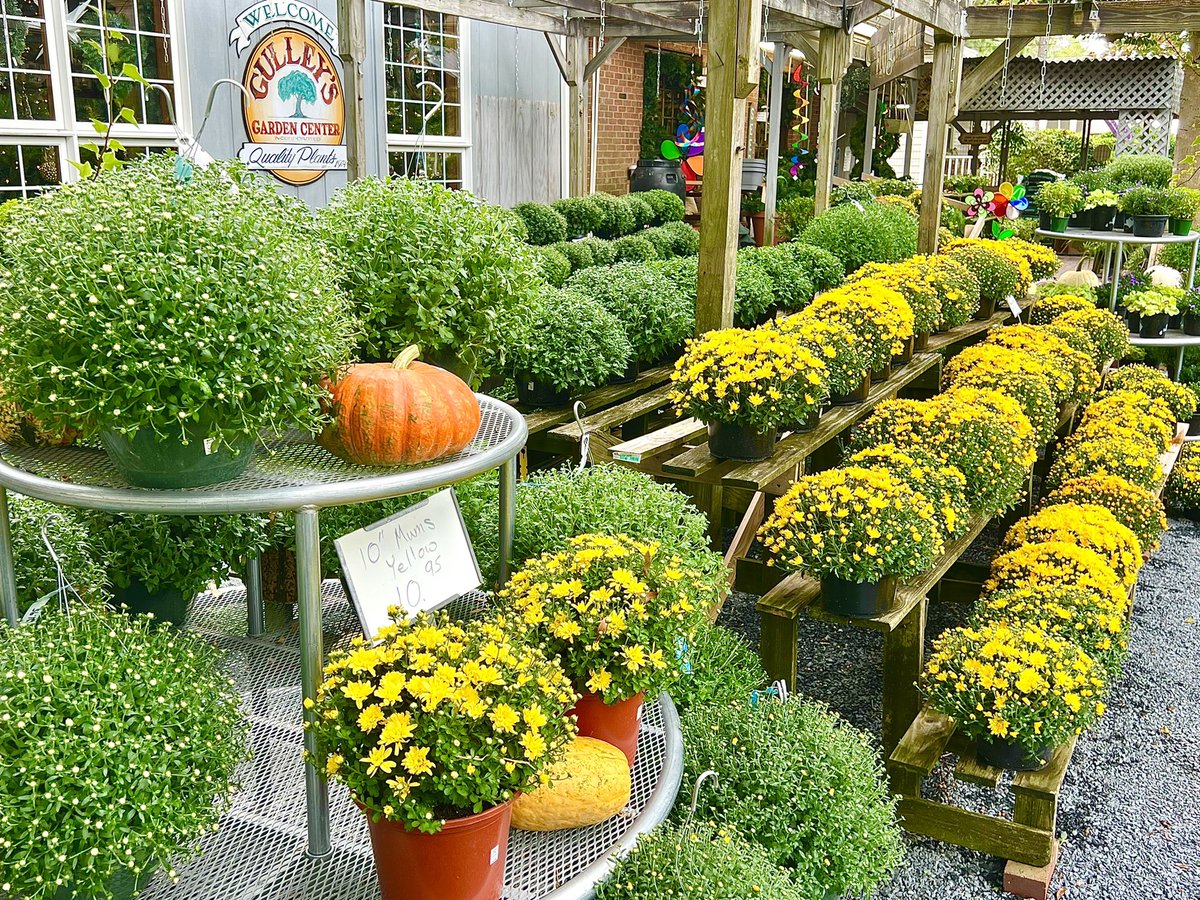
column 212, row 95
column 704, row 776
column 585, row 437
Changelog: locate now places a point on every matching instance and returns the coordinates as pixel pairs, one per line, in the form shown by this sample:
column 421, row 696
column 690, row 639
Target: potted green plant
column 176, row 321
column 1154, row 310
column 148, row 733
column 756, row 210
column 1103, row 206
column 32, row 524
column 1061, row 200
column 562, row 344
column 1150, row 208
column 158, row 564
column 1189, row 305
column 1182, row 205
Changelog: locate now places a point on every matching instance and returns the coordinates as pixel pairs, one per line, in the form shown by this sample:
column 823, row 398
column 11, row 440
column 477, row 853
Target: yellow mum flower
column 417, row 762
column 504, row 718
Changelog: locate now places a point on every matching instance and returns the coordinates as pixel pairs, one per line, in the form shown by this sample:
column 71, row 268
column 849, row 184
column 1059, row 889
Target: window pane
column 27, row 169
column 23, row 50
column 421, row 72
column 444, row 167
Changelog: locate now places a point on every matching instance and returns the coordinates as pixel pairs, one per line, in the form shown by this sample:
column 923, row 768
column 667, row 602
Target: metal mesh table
column 292, row 473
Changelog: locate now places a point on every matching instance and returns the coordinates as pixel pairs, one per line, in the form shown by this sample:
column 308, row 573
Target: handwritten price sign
column 417, row 560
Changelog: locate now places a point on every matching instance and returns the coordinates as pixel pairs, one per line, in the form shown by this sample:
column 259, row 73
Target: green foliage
column 800, row 783
column 823, row 269
column 1177, row 256
column 997, row 276
column 675, row 863
column 1131, row 169
column 1054, row 289
column 543, row 224
column 618, row 216
column 515, row 224
column 567, row 339
column 753, row 289
column 639, row 296
column 602, row 251
column 791, row 287
column 1059, row 199
column 426, row 265
column 953, row 218
column 634, row 248
column 640, row 209
column 34, row 567
column 667, row 206
column 139, row 302
column 895, row 187
column 876, row 233
column 966, row 184
column 792, row 215
column 578, row 253
column 852, row 192
column 674, row 239
column 186, row 553
column 154, row 782
column 1053, row 149
column 1182, row 202
column 724, row 671
column 582, row 215
column 552, row 265
column 1146, row 201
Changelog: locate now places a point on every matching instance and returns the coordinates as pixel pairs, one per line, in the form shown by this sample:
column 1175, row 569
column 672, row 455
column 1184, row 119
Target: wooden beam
column 352, row 51
column 976, row 831
column 621, row 13
column 775, row 125
column 992, row 65
column 869, row 131
column 601, row 57
column 945, row 54
column 497, row 14
column 945, row 16
column 832, row 58
column 576, row 112
column 560, row 58
column 1116, row 17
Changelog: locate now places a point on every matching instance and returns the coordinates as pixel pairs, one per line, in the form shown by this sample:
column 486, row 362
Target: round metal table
column 290, row 474
column 1116, row 241
column 1173, row 338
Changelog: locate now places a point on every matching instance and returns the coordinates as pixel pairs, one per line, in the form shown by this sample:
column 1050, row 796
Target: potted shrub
column 1182, row 205
column 1132, row 457
column 870, row 232
column 175, row 321
column 878, row 315
column 1103, row 206
column 1180, row 398
column 142, row 789
column 999, row 275
column 434, row 730
column 1060, row 200
column 563, row 344
column 911, row 280
column 841, row 351
column 1019, row 375
column 1084, row 525
column 157, row 564
column 859, row 530
column 944, row 486
column 1138, row 509
column 613, row 610
column 1150, row 208
column 958, row 290
column 1018, row 691
column 1104, row 328
column 582, row 215
column 543, row 224
column 1154, row 309
column 745, row 385
column 75, row 546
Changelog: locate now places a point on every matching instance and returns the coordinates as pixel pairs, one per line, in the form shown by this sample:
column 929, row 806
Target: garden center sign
column 294, row 110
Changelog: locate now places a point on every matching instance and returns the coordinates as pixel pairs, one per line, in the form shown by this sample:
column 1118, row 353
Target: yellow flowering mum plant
column 1015, row 682
column 759, row 378
column 1043, row 261
column 1005, row 251
column 913, row 281
column 943, row 486
column 1183, row 490
column 833, row 343
column 1078, row 340
column 958, row 288
column 1015, row 373
column 618, row 612
column 441, row 719
column 1139, row 510
column 1131, row 456
column 1047, row 309
column 855, row 523
column 1056, row 563
column 1073, row 373
column 1134, row 425
column 880, row 316
column 1179, row 397
column 1085, row 525
column 1119, row 404
column 1107, row 330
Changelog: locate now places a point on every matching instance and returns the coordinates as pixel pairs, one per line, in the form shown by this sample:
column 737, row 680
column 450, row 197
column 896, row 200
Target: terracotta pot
column 463, row 861
column 618, row 723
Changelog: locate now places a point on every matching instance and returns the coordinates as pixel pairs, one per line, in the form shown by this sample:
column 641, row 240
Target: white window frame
column 462, row 143
column 69, row 134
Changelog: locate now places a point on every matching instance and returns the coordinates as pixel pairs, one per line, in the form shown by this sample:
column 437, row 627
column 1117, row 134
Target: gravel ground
column 1129, row 811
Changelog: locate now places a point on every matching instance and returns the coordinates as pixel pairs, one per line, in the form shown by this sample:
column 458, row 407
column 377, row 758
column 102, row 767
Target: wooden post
column 869, row 131
column 903, row 660
column 910, row 93
column 733, row 29
column 834, row 57
column 941, row 91
column 352, row 51
column 776, row 120
column 576, row 59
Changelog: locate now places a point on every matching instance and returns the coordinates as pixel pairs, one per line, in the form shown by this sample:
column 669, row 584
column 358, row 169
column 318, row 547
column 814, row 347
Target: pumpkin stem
column 407, row 356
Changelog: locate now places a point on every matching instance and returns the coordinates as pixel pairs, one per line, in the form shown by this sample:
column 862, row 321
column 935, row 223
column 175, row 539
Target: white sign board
column 419, row 559
column 293, row 157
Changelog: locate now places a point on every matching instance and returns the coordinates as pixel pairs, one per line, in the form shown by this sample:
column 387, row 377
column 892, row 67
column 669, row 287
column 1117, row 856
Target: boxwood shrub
column 823, row 269
column 1149, row 169
column 602, row 251
column 667, row 206
column 543, row 225
column 578, row 253
column 583, row 215
column 638, row 295
column 634, row 248
column 790, row 284
column 874, row 233
column 618, row 216
column 640, row 208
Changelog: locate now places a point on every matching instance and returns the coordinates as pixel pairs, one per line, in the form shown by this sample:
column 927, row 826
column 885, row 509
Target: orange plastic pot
column 617, row 724
column 463, row 861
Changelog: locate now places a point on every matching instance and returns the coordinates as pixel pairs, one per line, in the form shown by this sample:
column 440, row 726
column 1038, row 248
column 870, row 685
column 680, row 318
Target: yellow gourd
column 588, row 785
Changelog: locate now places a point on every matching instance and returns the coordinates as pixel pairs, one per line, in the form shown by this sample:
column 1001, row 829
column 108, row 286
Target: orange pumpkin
column 399, row 413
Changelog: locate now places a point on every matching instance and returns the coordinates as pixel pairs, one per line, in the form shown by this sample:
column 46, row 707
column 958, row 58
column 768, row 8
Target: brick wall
column 620, row 121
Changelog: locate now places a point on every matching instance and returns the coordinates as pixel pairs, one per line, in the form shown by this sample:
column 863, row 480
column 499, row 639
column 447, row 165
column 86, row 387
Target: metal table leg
column 1192, row 272
column 312, row 657
column 508, row 515
column 8, row 581
column 1179, row 364
column 1116, row 276
column 255, row 625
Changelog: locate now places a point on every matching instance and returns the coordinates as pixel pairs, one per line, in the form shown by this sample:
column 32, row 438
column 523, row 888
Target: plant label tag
column 417, row 560
column 495, row 855
column 627, row 457
column 1014, row 307
column 208, row 444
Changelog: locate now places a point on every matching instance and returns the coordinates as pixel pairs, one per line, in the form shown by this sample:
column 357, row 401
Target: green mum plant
column 724, row 670
column 874, row 233
column 428, row 266
column 582, row 214
column 753, row 289
column 73, row 542
column 543, row 224
column 641, row 299
column 553, row 266
column 667, row 206
column 147, row 733
column 634, row 248
column 136, row 302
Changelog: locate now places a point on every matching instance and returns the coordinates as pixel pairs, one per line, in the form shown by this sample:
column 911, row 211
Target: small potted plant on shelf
column 1150, row 209
column 1154, row 310
column 561, row 345
column 435, row 729
column 1018, row 691
column 148, row 733
column 1182, row 205
column 755, row 209
column 879, row 315
column 1103, row 206
column 912, row 280
column 859, row 530
column 1061, row 200
column 745, row 384
column 1001, row 272
column 1139, row 510
column 175, row 321
column 615, row 611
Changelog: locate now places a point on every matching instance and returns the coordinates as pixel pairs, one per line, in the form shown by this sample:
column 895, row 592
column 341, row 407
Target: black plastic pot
column 987, row 308
column 881, row 374
column 1176, row 322
column 1194, row 424
column 738, row 442
column 1149, row 226
column 1075, row 220
column 167, row 604
column 904, row 356
column 855, row 599
column 540, row 394
column 1102, row 218
column 920, row 341
column 1180, row 227
column 1005, row 754
column 858, row 395
column 630, row 375
column 1133, row 321
column 808, row 424
column 1191, row 325
column 1044, row 221
column 1154, row 326
column 146, row 460
column 658, row 174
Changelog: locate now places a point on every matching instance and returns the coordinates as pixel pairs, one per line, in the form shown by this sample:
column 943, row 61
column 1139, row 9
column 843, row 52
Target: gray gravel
column 1129, row 812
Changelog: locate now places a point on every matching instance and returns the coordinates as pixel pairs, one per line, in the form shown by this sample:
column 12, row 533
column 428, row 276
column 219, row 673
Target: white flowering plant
column 120, row 742
column 136, row 301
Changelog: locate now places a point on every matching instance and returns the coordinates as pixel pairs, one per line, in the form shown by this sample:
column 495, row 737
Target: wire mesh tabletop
column 258, row 853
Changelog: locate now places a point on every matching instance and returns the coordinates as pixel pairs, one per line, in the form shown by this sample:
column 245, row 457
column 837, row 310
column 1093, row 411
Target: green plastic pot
column 1181, row 227
column 1059, row 223
column 168, row 604
column 146, row 460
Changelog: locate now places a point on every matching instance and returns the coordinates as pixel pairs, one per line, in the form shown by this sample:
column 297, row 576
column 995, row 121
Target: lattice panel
column 1085, row 85
column 1145, row 132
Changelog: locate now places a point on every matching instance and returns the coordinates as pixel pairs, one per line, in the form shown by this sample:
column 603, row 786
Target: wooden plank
column 497, row 14
column 539, row 420
column 1116, row 17
column 969, row 768
column 901, row 42
column 656, row 443
column 903, row 660
column 617, row 415
column 793, row 594
column 989, row 67
column 923, row 743
column 623, row 13
column 744, row 536
column 778, row 646
column 753, row 576
column 611, row 46
column 576, row 111
column 941, row 15
column 942, row 84
column 776, row 120
column 976, row 831
column 1046, row 782
column 963, row 333
column 697, row 464
column 352, row 51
